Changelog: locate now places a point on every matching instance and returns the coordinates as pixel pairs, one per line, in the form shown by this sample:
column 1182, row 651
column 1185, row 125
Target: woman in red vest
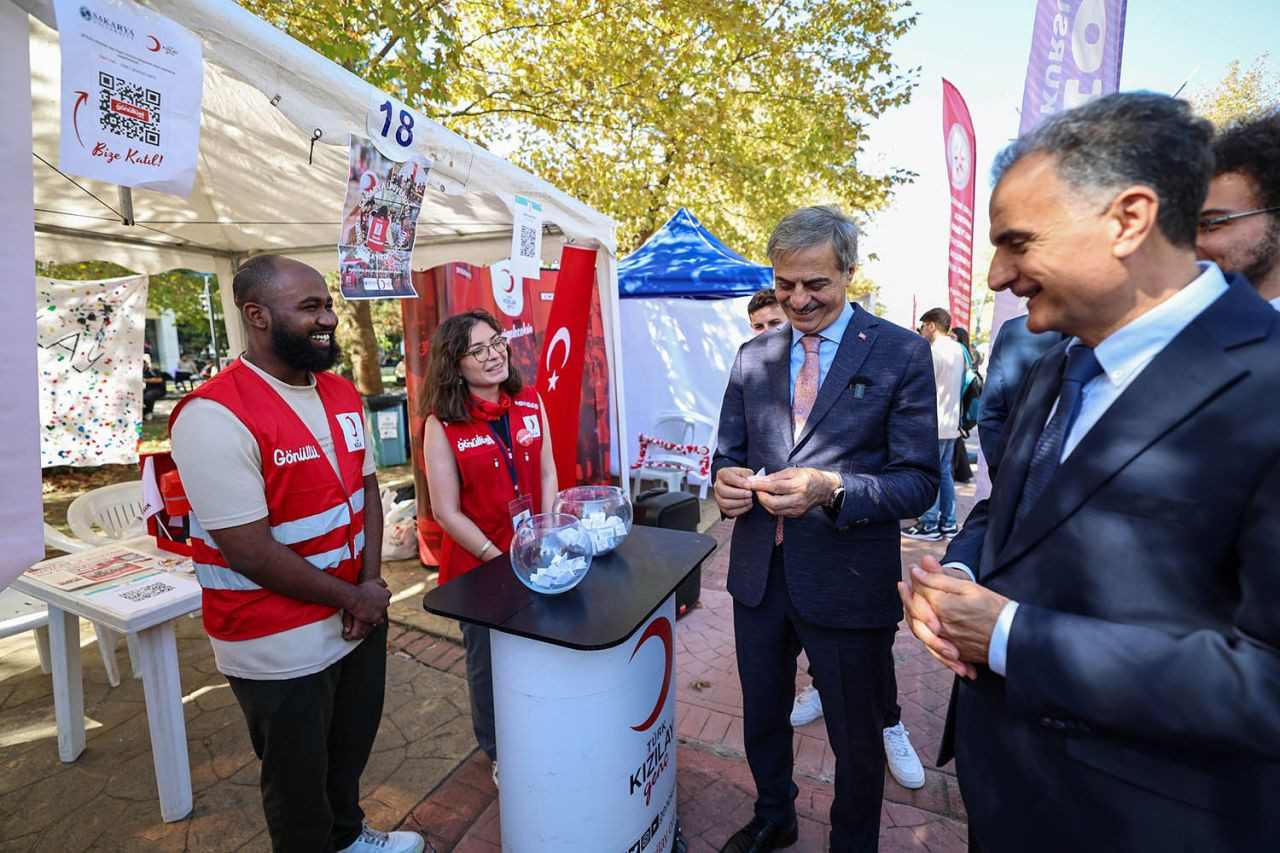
column 489, row 464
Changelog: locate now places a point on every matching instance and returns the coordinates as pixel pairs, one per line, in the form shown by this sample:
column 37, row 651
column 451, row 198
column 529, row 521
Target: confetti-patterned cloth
column 90, row 336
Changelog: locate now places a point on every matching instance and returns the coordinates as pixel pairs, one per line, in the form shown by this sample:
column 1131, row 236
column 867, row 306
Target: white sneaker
column 372, row 841
column 808, row 706
column 904, row 764
column 495, row 774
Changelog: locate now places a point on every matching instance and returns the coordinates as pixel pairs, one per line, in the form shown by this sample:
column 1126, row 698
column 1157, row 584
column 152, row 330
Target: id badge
column 520, row 509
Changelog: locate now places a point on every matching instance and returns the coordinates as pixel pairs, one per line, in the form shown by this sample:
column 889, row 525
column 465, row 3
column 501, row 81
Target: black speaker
column 674, row 511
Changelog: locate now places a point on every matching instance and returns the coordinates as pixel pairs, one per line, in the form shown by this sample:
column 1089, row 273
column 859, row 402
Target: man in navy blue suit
column 828, row 436
column 1120, row 648
column 1016, row 348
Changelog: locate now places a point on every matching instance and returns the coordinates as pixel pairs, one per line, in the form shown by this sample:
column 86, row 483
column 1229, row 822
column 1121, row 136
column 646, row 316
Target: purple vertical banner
column 1076, row 47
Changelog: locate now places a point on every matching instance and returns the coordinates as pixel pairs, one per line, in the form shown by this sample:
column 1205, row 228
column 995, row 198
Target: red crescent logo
column 511, row 281
column 154, row 47
column 660, row 628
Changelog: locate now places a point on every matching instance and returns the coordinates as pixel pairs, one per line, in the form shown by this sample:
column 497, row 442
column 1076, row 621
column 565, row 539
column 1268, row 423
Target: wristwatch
column 836, row 502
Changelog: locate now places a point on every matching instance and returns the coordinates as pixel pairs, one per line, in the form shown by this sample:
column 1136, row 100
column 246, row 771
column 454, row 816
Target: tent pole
column 607, row 282
column 21, row 509
column 224, row 266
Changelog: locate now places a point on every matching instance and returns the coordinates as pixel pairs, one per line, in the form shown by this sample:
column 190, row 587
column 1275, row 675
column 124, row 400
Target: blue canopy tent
column 685, row 260
column 682, row 316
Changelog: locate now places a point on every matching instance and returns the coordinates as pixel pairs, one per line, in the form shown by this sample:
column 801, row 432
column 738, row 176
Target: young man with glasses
column 1239, row 226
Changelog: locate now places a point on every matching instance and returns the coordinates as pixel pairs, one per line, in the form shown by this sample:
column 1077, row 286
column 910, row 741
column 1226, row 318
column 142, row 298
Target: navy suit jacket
column 1141, row 708
column 841, row 572
column 1015, row 349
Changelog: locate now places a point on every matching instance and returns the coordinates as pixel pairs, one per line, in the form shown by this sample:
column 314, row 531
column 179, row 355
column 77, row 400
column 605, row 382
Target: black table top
column 619, row 593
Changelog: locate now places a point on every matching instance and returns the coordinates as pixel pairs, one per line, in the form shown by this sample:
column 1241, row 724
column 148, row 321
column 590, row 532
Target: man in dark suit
column 827, row 437
column 1121, row 646
column 1016, row 348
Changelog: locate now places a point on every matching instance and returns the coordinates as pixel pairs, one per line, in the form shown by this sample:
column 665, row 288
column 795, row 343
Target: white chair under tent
column 675, row 467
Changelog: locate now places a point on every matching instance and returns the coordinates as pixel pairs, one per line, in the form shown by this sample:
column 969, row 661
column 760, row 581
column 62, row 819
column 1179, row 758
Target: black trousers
column 848, row 667
column 892, row 710
column 314, row 734
column 475, row 640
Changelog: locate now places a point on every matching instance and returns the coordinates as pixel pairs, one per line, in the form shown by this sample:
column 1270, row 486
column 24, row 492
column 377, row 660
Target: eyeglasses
column 482, row 352
column 1204, row 226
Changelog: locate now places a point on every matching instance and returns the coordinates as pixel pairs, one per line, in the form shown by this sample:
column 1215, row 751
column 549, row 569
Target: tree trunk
column 357, row 339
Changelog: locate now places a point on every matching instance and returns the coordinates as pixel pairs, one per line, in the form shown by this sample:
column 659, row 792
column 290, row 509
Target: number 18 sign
column 392, row 127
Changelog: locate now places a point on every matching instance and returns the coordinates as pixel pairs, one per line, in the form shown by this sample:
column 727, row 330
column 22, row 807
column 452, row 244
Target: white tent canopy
column 265, row 95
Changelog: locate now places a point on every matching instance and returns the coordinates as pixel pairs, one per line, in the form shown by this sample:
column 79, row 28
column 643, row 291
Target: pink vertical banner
column 957, row 134
column 1076, row 52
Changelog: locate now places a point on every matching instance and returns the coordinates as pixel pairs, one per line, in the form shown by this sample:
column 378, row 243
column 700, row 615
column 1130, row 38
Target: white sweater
column 948, row 375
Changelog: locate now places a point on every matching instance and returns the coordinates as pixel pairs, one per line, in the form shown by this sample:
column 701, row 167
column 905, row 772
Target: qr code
column 528, row 239
column 128, row 110
column 142, row 593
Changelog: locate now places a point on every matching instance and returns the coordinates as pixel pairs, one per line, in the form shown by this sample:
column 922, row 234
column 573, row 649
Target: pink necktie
column 802, row 399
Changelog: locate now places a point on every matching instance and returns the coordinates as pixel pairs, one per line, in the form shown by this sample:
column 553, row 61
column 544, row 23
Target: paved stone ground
column 715, row 789
column 425, row 772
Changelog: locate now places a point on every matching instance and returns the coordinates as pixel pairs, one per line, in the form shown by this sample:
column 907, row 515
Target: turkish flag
column 564, row 350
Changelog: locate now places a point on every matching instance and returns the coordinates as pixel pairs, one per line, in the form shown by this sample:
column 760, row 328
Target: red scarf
column 483, row 410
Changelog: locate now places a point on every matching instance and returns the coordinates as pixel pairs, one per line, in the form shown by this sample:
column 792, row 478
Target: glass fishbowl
column 551, row 552
column 604, row 511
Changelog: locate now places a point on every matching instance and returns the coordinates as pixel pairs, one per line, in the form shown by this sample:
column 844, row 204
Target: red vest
column 309, row 509
column 486, row 488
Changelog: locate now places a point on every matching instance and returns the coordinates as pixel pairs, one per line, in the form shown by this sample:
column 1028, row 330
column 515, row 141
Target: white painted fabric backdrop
column 90, row 335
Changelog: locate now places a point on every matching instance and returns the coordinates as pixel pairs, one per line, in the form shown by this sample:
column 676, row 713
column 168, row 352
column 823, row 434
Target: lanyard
column 506, row 454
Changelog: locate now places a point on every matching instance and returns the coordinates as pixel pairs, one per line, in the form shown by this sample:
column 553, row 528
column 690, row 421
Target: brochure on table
column 118, row 578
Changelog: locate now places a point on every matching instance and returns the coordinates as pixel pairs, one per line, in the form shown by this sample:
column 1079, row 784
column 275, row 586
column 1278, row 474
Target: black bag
column 969, row 404
column 674, row 511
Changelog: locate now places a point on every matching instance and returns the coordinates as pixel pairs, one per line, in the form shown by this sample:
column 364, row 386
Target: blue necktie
column 1082, row 366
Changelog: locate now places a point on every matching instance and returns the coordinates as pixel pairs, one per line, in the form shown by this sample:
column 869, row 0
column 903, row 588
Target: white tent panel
column 256, row 190
column 21, row 516
column 678, row 353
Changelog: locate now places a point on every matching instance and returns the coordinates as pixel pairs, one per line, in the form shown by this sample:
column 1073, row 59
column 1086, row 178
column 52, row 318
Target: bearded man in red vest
column 273, row 456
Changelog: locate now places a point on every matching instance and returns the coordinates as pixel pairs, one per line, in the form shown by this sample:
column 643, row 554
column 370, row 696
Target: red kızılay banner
column 523, row 308
column 957, row 133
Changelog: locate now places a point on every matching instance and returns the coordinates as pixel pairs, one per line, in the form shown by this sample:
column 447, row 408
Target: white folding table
column 158, row 653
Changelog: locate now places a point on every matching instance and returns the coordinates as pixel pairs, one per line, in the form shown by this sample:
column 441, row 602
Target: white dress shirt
column 1123, row 355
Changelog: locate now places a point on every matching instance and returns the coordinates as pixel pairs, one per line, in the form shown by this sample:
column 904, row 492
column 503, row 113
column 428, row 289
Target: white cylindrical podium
column 584, row 695
column 586, row 742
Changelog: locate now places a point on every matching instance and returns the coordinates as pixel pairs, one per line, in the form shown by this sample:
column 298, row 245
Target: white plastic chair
column 104, row 516
column 671, row 467
column 19, row 613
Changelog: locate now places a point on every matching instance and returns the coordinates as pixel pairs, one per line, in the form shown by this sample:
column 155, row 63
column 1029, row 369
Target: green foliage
column 860, row 286
column 741, row 110
column 403, row 48
column 1241, row 92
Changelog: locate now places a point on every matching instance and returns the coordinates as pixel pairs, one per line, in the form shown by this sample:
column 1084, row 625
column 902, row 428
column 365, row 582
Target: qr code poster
column 526, row 238
column 131, row 88
column 379, row 223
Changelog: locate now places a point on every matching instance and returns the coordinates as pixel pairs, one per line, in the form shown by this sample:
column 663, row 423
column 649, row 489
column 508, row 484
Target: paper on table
column 97, row 566
column 144, row 592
